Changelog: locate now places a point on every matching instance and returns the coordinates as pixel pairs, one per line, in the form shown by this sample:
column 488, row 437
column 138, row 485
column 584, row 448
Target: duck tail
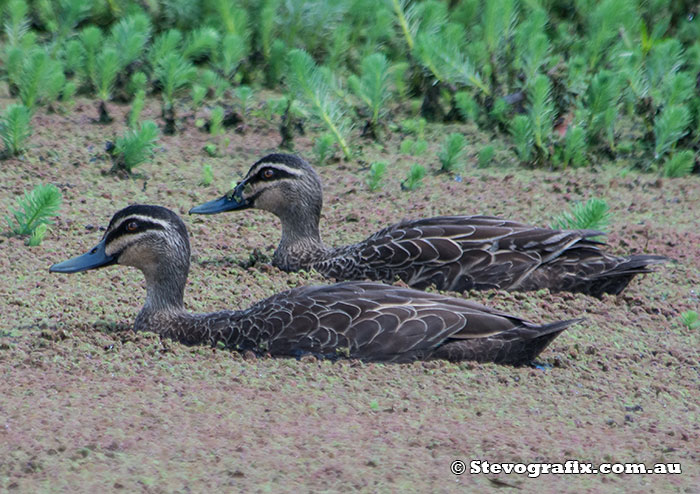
column 616, row 279
column 517, row 346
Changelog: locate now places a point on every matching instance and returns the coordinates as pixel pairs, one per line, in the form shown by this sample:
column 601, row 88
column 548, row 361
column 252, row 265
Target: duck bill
column 230, row 202
column 95, row 258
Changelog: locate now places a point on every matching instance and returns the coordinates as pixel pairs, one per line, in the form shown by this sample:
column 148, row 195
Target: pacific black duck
column 451, row 252
column 361, row 320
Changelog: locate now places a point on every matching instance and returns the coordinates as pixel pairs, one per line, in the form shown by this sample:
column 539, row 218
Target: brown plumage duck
column 451, row 252
column 368, row 321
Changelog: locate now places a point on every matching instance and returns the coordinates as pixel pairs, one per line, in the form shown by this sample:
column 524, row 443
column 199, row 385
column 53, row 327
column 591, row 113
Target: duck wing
column 461, row 252
column 377, row 322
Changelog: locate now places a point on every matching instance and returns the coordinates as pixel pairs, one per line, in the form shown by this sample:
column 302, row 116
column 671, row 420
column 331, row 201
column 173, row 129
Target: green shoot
column 136, row 108
column 37, row 235
column 129, row 37
column 308, row 84
column 15, row 129
column 33, row 80
column 201, row 43
column 134, row 147
column 669, row 127
column 377, row 170
column 574, row 147
column 174, row 73
column 245, row 97
column 466, row 105
column 414, row 178
column 216, row 124
column 231, row 54
column 690, row 319
column 165, row 44
column 541, row 112
column 521, row 130
column 138, row 82
column 68, row 93
column 104, row 76
column 197, row 93
column 591, row 215
column 452, row 153
column 603, row 96
column 207, row 175
column 34, row 209
column 323, row 148
column 485, row 156
column 372, row 87
column 680, row 164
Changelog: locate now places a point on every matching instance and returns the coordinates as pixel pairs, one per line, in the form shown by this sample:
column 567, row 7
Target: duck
column 455, row 253
column 355, row 319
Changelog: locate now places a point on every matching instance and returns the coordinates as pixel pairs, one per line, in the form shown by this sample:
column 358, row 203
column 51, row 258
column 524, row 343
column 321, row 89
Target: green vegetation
column 560, row 87
column 34, row 211
column 377, row 170
column 134, row 147
column 207, row 175
column 452, row 153
column 485, row 156
column 591, row 215
column 323, row 148
column 414, row 179
column 15, row 129
column 690, row 319
column 680, row 164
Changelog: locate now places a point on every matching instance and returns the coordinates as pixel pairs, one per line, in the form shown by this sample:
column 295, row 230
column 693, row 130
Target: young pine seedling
column 216, row 122
column 175, row 73
column 669, row 127
column 137, row 108
column 323, row 148
column 372, row 87
column 452, row 153
column 15, row 129
column 37, row 235
column 207, row 175
column 521, row 130
column 485, row 156
column 414, row 178
column 245, row 98
column 680, row 164
column 690, row 319
column 104, row 76
column 377, row 170
column 591, row 215
column 134, row 147
column 308, row 84
column 34, row 209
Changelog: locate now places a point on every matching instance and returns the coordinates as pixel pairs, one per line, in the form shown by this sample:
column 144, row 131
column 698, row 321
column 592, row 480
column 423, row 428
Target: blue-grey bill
column 95, row 258
column 220, row 205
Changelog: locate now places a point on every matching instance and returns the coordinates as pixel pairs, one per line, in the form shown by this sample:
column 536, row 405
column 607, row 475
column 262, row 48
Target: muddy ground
column 86, row 405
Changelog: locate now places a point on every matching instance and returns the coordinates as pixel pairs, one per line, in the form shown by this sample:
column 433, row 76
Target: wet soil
column 87, row 405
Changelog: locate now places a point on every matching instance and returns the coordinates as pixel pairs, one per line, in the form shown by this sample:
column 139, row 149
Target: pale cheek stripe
column 120, row 243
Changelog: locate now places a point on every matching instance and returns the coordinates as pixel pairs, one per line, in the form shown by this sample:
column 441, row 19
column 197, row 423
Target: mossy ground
column 88, row 406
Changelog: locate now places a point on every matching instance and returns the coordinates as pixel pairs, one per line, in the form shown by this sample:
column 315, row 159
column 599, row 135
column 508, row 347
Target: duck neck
column 301, row 241
column 165, row 289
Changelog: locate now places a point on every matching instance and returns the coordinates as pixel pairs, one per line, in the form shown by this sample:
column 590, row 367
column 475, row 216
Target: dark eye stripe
column 279, row 173
column 142, row 226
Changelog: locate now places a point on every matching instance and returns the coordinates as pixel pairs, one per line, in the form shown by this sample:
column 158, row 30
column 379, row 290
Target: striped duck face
column 277, row 183
column 139, row 236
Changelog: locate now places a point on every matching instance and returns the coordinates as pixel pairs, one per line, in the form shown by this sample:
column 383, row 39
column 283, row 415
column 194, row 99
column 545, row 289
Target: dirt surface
column 86, row 405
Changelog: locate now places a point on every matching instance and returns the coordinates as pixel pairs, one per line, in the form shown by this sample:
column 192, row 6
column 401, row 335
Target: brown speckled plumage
column 451, row 252
column 363, row 320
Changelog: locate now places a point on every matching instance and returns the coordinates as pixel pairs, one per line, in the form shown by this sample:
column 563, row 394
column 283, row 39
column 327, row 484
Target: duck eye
column 268, row 174
column 132, row 226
